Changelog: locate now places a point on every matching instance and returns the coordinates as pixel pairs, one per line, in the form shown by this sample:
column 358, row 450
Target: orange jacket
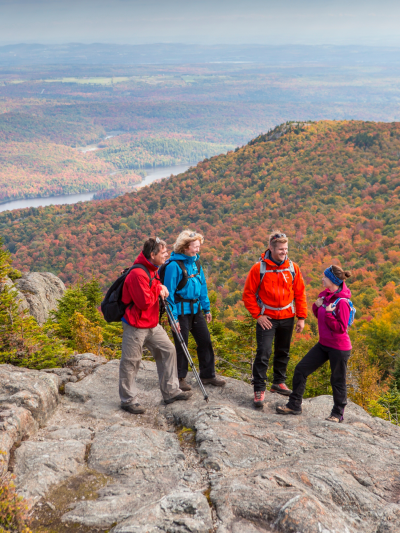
column 277, row 290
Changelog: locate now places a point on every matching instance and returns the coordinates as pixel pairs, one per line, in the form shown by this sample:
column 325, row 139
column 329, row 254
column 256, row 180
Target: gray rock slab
column 98, row 392
column 33, row 390
column 41, row 290
column 178, row 512
column 39, row 465
column 146, row 464
column 16, row 423
column 267, row 473
column 297, row 473
column 67, row 433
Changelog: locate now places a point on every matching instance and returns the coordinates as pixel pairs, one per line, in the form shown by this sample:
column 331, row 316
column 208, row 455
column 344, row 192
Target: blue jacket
column 195, row 288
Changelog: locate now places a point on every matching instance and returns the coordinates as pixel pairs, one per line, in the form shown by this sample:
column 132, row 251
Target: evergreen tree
column 22, row 341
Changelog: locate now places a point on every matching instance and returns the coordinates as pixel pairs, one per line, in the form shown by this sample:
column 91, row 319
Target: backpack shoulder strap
column 198, row 265
column 142, row 267
column 338, row 300
column 292, row 269
column 263, row 269
column 185, row 276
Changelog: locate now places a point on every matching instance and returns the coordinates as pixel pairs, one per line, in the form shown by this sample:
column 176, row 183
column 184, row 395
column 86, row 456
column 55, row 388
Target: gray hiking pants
column 161, row 348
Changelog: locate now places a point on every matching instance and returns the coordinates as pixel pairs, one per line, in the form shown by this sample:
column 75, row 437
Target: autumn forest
column 331, row 185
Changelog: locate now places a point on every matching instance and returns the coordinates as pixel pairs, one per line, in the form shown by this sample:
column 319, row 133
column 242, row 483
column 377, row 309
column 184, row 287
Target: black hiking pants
column 315, row 358
column 281, row 331
column 195, row 324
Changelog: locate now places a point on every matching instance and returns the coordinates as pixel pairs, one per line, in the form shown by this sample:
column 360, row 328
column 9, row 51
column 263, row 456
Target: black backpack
column 112, row 306
column 185, row 275
column 181, row 284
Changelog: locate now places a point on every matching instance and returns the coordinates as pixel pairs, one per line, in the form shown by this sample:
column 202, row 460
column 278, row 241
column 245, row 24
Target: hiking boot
column 181, row 396
column 285, row 410
column 335, row 418
column 134, row 408
column 259, row 397
column 280, row 388
column 216, row 381
column 184, row 385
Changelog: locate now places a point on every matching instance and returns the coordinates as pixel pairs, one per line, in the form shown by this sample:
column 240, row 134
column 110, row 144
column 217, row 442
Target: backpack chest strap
column 263, row 270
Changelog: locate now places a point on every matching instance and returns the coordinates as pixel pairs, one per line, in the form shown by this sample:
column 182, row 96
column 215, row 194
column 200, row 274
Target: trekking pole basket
column 185, row 349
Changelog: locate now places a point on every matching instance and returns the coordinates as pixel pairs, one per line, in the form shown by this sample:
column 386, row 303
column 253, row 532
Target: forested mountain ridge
column 332, row 187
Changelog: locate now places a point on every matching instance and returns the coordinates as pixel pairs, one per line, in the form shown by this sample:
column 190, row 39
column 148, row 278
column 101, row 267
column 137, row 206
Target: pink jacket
column 332, row 328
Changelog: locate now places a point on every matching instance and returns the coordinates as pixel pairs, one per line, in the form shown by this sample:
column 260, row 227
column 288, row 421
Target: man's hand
column 300, row 325
column 264, row 322
column 319, row 302
column 208, row 317
column 178, row 326
column 164, row 293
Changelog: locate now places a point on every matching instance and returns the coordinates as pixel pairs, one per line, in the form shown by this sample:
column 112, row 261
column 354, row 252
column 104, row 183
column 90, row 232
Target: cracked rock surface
column 218, row 467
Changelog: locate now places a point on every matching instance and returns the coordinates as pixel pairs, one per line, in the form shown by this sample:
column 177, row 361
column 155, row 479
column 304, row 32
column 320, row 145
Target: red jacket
column 144, row 312
column 277, row 290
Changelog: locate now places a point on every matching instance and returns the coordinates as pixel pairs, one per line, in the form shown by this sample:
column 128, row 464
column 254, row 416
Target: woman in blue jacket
column 188, row 297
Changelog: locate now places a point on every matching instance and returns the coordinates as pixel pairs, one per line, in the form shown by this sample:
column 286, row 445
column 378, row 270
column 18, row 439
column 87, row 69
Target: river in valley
column 153, row 175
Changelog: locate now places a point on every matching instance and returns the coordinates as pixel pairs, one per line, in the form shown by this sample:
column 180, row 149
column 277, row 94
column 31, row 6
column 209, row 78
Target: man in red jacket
column 142, row 290
column 274, row 293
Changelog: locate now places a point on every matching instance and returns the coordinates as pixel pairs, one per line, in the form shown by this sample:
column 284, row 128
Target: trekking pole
column 184, row 347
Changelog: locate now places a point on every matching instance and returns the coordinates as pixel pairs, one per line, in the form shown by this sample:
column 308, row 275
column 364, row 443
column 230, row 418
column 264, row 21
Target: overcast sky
column 201, row 21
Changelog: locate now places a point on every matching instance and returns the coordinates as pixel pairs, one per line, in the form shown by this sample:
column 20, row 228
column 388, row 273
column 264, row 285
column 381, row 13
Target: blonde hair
column 185, row 238
column 273, row 239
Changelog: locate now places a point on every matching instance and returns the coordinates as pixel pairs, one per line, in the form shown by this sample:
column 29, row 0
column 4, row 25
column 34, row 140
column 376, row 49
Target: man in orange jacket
column 274, row 293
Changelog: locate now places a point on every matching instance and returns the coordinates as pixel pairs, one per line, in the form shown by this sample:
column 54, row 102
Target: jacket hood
column 143, row 261
column 186, row 258
column 332, row 296
column 264, row 257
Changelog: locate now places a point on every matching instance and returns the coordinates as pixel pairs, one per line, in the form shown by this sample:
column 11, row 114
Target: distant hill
column 332, row 187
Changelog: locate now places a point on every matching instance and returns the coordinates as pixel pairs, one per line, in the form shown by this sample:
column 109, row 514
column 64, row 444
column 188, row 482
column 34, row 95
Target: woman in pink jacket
column 334, row 345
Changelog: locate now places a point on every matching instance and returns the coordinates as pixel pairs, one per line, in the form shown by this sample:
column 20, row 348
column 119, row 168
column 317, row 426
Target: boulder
column 40, row 291
column 27, row 399
column 16, row 423
column 20, row 298
column 35, row 391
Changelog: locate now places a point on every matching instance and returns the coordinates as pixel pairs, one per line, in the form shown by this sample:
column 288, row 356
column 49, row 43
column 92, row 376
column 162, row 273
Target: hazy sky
column 201, row 21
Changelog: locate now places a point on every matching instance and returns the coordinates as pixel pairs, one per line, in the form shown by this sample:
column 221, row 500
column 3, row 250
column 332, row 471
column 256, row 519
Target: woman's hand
column 329, row 308
column 319, row 302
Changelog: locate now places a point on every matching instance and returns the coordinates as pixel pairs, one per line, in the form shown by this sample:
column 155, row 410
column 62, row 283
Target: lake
column 153, row 175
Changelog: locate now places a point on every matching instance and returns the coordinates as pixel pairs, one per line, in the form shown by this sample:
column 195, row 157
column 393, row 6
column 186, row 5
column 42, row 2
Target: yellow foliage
column 87, row 336
column 363, row 378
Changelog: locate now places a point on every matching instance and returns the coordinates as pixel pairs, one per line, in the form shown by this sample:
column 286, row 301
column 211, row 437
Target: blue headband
column 330, row 275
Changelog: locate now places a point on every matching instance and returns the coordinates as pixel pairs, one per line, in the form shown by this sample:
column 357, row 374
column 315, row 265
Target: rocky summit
column 85, row 465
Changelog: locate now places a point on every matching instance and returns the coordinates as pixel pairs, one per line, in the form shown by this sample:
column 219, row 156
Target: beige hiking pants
column 161, row 348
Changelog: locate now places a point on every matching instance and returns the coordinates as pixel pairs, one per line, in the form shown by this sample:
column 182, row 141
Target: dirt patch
column 47, row 513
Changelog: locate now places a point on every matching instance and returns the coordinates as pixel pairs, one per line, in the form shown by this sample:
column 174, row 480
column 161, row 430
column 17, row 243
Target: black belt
column 181, row 300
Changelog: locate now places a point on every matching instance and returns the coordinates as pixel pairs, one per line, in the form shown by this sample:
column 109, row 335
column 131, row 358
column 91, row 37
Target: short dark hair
column 153, row 246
